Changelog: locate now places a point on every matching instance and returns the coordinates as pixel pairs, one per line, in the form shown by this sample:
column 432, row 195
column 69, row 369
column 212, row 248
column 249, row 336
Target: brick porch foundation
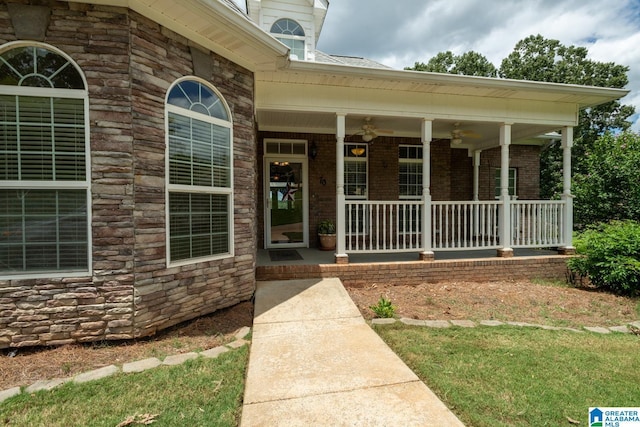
column 475, row 270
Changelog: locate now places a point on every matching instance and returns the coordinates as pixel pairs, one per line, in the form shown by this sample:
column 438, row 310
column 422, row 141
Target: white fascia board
column 284, row 97
column 603, row 94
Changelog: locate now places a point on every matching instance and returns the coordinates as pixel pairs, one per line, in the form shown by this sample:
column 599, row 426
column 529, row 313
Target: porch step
column 315, row 361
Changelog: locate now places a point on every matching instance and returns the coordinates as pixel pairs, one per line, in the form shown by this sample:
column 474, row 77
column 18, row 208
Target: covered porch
column 424, row 226
column 463, row 140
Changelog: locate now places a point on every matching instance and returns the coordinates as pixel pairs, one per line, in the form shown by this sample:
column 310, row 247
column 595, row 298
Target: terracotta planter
column 327, row 242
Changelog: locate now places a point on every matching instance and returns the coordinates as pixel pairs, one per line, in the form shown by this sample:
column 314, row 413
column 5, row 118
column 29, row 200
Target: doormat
column 285, row 255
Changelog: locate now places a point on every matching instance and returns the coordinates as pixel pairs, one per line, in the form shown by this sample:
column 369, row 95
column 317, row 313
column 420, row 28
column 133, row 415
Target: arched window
column 44, row 180
column 200, row 172
column 290, row 33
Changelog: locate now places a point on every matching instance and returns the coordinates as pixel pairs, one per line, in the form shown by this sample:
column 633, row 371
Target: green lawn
column 202, row 392
column 510, row 376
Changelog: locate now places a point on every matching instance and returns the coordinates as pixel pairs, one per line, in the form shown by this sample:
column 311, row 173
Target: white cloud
column 400, row 34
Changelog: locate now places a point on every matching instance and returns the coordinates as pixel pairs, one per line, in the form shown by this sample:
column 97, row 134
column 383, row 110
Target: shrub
column 326, row 227
column 384, row 308
column 610, row 256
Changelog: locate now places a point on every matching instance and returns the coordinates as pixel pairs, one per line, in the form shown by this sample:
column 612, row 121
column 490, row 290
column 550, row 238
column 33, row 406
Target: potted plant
column 327, row 235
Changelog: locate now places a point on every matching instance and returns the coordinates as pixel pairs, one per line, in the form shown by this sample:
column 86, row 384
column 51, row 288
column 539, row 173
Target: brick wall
column 526, row 160
column 407, row 273
column 130, row 62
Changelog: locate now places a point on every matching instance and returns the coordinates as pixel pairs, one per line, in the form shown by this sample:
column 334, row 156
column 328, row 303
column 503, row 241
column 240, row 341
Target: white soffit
column 213, row 25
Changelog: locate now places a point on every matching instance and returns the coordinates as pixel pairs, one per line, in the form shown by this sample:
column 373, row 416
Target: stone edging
column 137, row 366
column 471, row 324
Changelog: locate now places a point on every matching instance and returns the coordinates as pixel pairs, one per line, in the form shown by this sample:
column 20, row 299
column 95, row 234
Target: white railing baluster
column 395, row 226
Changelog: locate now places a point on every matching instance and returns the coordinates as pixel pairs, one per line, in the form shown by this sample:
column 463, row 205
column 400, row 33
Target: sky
column 401, row 32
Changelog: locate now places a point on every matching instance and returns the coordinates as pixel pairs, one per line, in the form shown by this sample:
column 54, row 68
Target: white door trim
column 294, row 158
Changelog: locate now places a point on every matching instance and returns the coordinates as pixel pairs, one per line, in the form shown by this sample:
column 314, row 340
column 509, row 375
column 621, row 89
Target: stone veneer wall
column 130, row 62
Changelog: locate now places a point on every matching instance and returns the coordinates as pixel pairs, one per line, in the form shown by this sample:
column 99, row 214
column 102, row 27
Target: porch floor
column 314, row 256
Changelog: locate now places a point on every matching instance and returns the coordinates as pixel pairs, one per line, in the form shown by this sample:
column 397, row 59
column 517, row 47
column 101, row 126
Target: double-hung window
column 291, row 34
column 200, row 173
column 355, row 184
column 513, row 175
column 410, row 186
column 410, row 171
column 44, row 177
column 355, row 170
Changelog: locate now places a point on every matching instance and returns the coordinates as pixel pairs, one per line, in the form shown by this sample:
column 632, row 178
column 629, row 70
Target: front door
column 286, row 213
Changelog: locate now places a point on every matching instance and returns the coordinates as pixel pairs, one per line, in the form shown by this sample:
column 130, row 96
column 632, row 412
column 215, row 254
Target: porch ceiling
column 485, row 134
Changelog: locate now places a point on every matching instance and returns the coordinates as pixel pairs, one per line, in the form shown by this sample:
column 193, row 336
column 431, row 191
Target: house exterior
column 149, row 147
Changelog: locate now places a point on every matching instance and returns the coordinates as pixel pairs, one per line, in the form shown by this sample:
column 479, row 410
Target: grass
column 520, row 376
column 201, row 392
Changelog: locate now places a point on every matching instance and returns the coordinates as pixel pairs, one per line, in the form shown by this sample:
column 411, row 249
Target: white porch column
column 567, row 220
column 341, row 256
column 505, row 209
column 476, row 174
column 427, row 134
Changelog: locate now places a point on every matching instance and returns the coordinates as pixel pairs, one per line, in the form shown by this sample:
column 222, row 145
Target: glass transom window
column 200, row 175
column 44, row 185
column 291, row 34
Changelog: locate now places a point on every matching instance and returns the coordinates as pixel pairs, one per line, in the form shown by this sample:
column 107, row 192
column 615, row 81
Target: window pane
column 199, row 153
column 20, row 59
column 410, row 179
column 355, row 178
column 194, row 96
column 512, row 182
column 38, row 67
column 199, row 225
column 287, row 26
column 43, row 230
column 42, row 138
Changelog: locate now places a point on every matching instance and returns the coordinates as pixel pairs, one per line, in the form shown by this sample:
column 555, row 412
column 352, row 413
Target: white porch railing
column 373, row 226
column 536, row 224
column 383, row 226
column 465, row 225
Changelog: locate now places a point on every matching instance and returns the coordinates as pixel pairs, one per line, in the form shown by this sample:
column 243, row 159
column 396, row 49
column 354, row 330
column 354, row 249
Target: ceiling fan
column 369, row 131
column 457, row 134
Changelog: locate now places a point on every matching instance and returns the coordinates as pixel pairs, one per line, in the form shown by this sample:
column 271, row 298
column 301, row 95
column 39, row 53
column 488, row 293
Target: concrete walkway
column 315, row 362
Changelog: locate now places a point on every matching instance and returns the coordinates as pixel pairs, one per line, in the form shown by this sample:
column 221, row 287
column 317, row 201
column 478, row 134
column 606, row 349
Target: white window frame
column 193, row 189
column 412, row 161
column 50, row 184
column 513, row 183
column 286, row 38
column 364, row 158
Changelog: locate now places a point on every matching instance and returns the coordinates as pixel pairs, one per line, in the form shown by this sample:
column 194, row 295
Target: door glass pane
column 286, row 202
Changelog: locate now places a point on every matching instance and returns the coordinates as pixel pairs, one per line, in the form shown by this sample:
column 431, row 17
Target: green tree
column 469, row 64
column 608, row 188
column 539, row 59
